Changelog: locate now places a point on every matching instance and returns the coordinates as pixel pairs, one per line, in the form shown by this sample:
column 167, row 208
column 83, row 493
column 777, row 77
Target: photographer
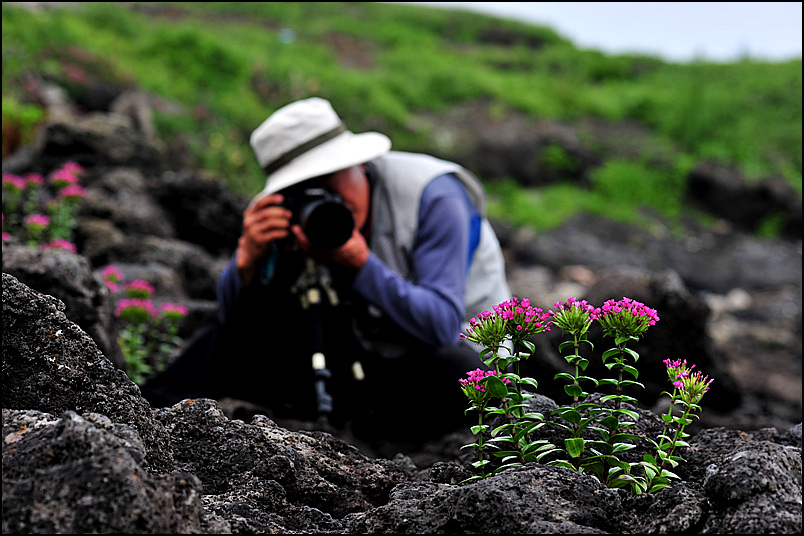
column 356, row 271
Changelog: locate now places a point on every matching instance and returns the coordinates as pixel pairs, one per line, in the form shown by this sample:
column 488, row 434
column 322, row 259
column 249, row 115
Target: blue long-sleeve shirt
column 431, row 306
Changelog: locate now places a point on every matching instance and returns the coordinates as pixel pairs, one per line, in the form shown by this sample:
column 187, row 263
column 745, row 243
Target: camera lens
column 327, row 223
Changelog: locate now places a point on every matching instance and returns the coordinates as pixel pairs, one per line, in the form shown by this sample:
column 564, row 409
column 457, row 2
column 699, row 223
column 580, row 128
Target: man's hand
column 264, row 222
column 352, row 255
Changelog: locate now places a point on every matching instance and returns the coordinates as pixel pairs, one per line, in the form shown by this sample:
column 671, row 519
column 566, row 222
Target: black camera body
column 323, row 216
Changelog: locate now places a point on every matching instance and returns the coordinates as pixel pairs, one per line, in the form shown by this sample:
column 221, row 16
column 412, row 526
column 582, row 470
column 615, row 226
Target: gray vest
column 399, row 183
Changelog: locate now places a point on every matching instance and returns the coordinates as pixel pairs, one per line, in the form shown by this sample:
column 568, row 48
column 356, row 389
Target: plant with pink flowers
column 608, row 418
column 480, row 387
column 506, row 329
column 42, row 213
column 689, row 387
column 574, row 317
column 149, row 333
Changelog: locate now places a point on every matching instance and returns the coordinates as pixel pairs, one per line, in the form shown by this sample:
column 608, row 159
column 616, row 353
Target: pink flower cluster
column 474, row 387
column 37, row 220
column 135, row 309
column 627, row 305
column 574, row 304
column 173, row 310
column 66, row 175
column 60, row 243
column 112, row 276
column 626, row 318
column 476, row 379
column 13, row 182
column 139, row 289
column 523, row 318
column 691, row 384
column 73, row 192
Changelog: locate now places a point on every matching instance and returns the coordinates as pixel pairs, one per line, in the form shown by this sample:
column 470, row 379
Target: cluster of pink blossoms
column 136, row 309
column 691, row 384
column 475, row 385
column 628, row 305
column 575, row 316
column 66, row 175
column 626, row 318
column 23, row 196
column 37, row 220
column 574, row 304
column 523, row 318
column 139, row 289
column 13, row 183
column 60, row 243
column 112, row 277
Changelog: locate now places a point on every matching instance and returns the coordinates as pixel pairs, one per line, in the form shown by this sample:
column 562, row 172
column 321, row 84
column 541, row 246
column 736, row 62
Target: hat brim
column 341, row 152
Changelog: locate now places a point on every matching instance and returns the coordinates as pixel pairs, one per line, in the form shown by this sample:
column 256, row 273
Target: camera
column 322, row 214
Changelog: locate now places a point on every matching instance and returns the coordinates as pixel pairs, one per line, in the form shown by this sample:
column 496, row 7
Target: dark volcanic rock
column 83, row 452
column 51, row 365
column 84, row 474
column 529, row 500
column 68, row 277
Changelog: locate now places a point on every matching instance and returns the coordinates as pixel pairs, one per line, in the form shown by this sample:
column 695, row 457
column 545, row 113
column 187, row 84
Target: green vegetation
column 229, row 64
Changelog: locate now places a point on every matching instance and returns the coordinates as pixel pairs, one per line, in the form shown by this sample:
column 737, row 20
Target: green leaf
column 669, row 474
column 564, row 376
column 476, row 429
column 562, row 463
column 496, row 387
column 564, row 345
column 610, row 352
column 633, row 414
column 574, row 446
column 529, row 381
column 631, row 353
column 571, row 416
column 610, row 422
column 573, row 390
column 631, row 370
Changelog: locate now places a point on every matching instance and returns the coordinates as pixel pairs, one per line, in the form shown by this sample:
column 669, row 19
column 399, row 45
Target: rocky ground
column 84, row 452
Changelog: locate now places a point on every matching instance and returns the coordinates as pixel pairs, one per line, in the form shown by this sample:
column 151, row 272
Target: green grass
column 229, row 65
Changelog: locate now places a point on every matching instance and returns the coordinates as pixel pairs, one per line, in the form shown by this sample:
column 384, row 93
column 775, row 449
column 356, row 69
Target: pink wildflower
column 61, row 178
column 139, row 289
column 474, row 387
column 33, row 179
column 575, row 316
column 13, row 182
column 72, row 167
column 60, row 243
column 626, row 318
column 73, row 192
column 111, row 273
column 523, row 318
column 135, row 310
column 173, row 311
column 37, row 221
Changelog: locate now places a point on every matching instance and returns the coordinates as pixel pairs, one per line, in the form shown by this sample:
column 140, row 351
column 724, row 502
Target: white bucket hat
column 307, row 139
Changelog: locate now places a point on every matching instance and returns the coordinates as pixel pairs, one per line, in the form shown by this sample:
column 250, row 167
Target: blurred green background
column 223, row 67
